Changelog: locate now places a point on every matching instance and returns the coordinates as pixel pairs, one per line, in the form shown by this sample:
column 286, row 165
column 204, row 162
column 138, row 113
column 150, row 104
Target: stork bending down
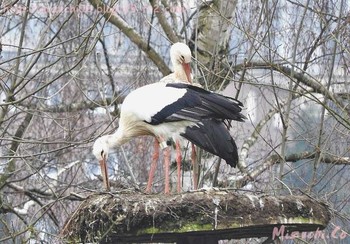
column 162, row 110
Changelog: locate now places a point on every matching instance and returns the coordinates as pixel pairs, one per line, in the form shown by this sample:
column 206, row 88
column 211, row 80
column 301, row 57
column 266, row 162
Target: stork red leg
column 166, row 152
column 195, row 167
column 178, row 162
column 152, row 170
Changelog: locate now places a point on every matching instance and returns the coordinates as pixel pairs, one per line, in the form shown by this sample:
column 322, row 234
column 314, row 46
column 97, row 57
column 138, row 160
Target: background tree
column 65, row 68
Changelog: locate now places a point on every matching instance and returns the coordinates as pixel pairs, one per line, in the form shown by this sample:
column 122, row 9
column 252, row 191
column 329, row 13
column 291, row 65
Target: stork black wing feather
column 213, row 136
column 197, row 104
column 169, row 112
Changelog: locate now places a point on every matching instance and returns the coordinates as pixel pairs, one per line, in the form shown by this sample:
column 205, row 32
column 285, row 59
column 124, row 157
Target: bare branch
column 74, row 107
column 11, row 165
column 301, row 77
column 168, row 30
column 132, row 35
column 7, row 7
column 249, row 142
column 276, row 159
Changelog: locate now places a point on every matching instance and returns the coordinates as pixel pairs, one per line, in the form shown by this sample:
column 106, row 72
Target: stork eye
column 182, row 57
column 102, row 152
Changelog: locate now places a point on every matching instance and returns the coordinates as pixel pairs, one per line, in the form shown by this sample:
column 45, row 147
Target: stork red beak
column 187, row 69
column 103, row 165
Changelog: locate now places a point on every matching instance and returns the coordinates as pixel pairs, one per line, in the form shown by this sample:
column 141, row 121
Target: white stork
column 165, row 109
column 180, row 55
column 216, row 132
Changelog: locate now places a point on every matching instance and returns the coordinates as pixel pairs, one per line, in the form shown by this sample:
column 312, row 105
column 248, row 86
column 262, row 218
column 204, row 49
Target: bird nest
column 217, row 214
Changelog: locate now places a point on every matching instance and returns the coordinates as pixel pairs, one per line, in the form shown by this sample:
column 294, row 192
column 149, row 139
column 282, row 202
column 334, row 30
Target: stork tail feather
column 213, row 136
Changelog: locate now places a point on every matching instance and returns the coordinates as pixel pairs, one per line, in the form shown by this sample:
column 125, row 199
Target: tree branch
column 168, row 30
column 39, row 193
column 249, row 142
column 11, row 165
column 276, row 159
column 74, row 107
column 129, row 31
column 299, row 76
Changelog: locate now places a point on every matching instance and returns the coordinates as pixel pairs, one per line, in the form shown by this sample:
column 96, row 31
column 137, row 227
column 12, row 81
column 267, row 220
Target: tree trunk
column 211, row 38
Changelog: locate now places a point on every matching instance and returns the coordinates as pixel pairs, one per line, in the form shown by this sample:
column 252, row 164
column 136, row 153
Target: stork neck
column 117, row 139
column 179, row 72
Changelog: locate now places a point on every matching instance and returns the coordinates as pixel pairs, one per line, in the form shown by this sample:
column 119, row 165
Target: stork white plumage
column 164, row 109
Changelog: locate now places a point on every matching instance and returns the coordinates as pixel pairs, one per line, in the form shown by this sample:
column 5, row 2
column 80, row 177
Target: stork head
column 180, row 55
column 100, row 149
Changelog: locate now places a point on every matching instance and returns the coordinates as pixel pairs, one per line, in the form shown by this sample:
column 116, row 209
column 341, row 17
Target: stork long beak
column 104, row 172
column 187, row 69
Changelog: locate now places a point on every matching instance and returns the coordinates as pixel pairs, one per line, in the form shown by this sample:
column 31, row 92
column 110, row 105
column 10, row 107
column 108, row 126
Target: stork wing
column 196, row 104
